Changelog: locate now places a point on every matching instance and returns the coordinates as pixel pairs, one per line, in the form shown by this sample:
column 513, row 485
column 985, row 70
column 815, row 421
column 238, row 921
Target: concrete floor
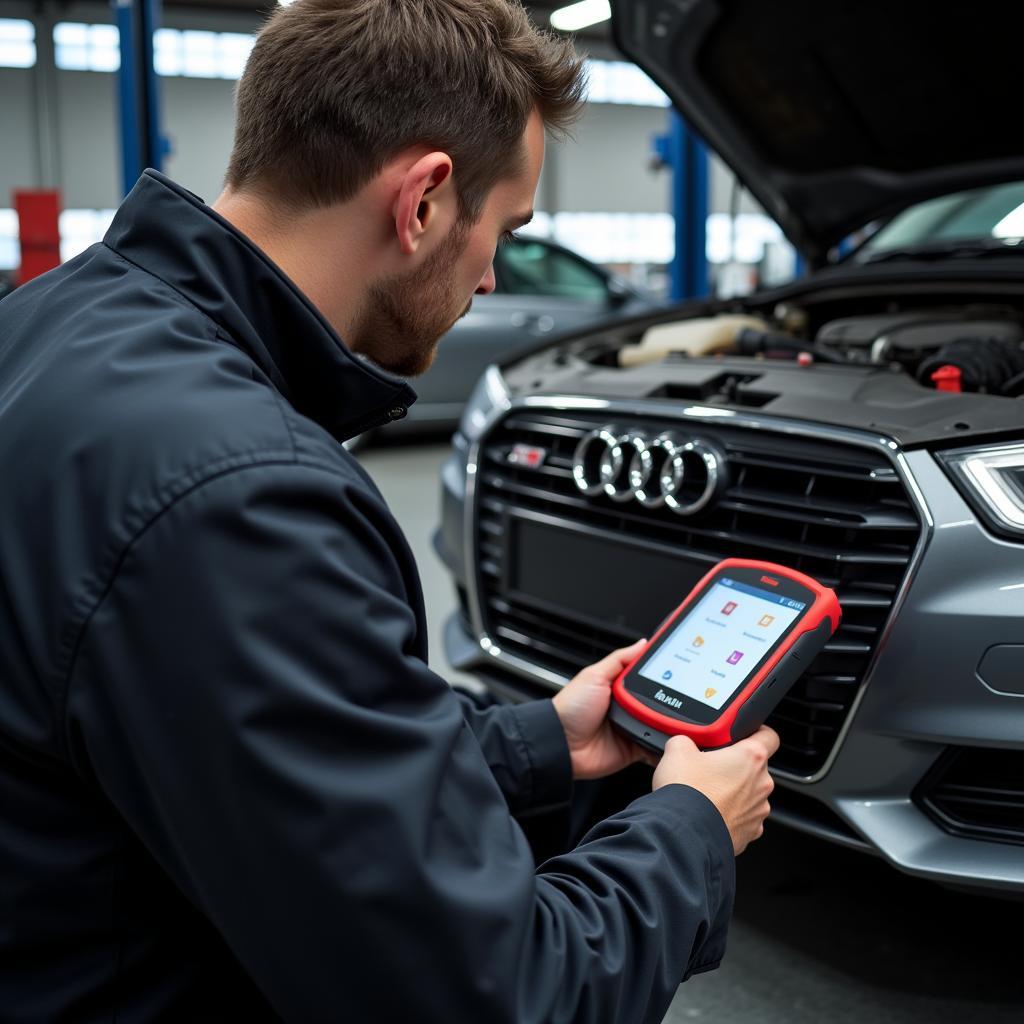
column 820, row 933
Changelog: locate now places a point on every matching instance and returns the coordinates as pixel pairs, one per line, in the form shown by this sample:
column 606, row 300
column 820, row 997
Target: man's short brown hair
column 335, row 88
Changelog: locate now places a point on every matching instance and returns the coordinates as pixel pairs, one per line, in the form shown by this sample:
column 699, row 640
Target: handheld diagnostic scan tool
column 723, row 660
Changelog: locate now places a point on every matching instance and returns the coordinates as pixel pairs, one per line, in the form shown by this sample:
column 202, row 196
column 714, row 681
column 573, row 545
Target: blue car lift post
column 686, row 156
column 142, row 144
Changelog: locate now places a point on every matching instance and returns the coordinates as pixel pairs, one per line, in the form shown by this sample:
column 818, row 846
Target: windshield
column 978, row 215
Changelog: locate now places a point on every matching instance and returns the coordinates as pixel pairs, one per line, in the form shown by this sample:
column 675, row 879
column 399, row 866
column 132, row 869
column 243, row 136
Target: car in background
column 863, row 424
column 542, row 290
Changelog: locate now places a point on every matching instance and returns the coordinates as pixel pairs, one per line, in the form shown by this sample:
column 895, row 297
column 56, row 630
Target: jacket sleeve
column 245, row 694
column 524, row 746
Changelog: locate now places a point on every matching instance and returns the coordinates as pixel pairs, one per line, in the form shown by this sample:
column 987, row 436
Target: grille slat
column 836, row 511
column 780, row 716
column 503, row 483
column 817, row 705
column 882, row 475
column 541, row 622
column 879, row 518
column 849, row 647
column 852, row 600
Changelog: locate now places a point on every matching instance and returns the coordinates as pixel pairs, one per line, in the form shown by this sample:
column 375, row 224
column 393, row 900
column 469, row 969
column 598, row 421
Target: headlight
column 994, row 479
column 489, row 394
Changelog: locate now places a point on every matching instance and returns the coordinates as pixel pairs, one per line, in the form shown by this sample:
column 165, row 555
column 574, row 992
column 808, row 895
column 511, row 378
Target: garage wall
column 88, row 140
column 607, row 167
column 199, row 122
column 17, row 132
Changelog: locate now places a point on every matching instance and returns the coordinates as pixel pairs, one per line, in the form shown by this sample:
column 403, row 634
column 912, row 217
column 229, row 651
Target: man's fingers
column 647, row 757
column 612, row 664
column 680, row 745
column 766, row 737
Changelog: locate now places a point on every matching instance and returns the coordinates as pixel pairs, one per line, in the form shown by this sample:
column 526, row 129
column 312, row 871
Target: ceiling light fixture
column 581, row 15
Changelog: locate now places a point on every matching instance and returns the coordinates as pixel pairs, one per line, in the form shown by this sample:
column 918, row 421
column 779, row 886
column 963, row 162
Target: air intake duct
column 992, row 366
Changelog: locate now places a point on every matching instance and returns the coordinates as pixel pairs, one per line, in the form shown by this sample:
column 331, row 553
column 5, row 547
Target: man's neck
column 312, row 248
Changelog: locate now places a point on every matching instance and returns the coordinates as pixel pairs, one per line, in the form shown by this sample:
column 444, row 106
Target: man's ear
column 426, row 190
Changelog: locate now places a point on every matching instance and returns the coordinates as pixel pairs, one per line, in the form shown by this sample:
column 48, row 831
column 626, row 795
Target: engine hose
column 750, row 341
column 986, row 365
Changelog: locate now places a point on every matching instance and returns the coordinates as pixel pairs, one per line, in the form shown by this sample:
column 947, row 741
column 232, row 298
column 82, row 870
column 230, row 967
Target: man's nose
column 487, row 283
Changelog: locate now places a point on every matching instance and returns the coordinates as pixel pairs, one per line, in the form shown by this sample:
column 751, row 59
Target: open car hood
column 836, row 112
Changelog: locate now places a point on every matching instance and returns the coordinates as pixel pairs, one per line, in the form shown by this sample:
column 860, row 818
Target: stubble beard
column 405, row 316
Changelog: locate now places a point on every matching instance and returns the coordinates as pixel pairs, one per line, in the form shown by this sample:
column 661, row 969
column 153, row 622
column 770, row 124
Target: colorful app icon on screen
column 734, row 658
column 766, row 620
column 730, row 607
column 698, row 641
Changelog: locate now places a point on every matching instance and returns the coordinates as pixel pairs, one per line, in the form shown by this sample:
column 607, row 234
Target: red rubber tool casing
column 750, row 706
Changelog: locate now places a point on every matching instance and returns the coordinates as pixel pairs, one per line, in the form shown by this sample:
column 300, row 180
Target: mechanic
column 230, row 787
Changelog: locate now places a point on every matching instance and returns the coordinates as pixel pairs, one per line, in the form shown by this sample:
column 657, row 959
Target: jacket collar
column 174, row 235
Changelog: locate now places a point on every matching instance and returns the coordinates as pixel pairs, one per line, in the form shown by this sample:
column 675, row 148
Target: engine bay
column 979, row 350
column 920, row 372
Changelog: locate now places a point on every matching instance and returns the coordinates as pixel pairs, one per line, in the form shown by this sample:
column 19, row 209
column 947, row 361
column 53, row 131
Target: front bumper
column 922, row 697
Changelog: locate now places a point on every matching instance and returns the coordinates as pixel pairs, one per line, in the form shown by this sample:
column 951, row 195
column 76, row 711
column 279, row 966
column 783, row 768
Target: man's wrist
column 562, row 715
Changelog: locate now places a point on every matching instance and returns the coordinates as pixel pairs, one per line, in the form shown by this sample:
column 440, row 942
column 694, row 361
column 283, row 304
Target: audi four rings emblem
column 682, row 473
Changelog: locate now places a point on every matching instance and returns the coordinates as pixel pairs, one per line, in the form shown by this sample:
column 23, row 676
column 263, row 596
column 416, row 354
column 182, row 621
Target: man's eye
column 508, row 237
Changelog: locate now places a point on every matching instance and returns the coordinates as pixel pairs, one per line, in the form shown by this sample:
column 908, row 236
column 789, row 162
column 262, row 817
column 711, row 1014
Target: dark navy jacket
column 230, row 787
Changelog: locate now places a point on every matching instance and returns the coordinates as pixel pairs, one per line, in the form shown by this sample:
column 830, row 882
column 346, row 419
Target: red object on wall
column 39, row 231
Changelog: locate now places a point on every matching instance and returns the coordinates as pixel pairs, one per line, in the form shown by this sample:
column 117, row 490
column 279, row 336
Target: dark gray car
column 863, row 425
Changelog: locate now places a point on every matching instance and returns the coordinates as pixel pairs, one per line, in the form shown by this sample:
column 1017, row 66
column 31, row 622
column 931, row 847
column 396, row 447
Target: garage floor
column 820, row 933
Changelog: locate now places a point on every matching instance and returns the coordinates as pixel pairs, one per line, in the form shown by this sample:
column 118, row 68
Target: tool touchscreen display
column 718, row 644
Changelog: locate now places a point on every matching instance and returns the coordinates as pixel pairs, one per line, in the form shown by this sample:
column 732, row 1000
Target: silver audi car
column 863, row 425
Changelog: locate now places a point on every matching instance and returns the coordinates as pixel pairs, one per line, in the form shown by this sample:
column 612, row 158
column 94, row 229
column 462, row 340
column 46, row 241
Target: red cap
column 948, row 378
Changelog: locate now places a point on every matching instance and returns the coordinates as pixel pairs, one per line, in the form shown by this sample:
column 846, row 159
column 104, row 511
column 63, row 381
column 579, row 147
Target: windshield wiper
column 948, row 250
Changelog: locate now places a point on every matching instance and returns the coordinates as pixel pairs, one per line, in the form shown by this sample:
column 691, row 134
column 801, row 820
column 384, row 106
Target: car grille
column 977, row 793
column 609, row 571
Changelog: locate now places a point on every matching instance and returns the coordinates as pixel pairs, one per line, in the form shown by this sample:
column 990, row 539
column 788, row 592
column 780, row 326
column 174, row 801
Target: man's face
column 406, row 315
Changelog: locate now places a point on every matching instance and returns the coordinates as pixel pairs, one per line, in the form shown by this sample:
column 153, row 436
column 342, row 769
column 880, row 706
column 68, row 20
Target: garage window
column 176, row 53
column 17, row 43
column 201, row 54
column 79, row 47
column 618, row 81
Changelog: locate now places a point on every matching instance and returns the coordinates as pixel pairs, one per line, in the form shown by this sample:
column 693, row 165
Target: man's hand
column 582, row 705
column 735, row 779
